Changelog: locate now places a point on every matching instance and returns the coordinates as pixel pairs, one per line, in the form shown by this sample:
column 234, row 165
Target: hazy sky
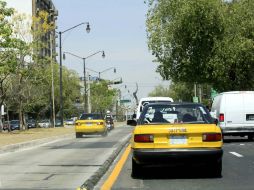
column 118, row 28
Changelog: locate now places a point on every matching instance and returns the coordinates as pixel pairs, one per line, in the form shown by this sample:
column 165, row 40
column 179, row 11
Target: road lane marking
column 236, row 154
column 114, row 174
column 242, row 144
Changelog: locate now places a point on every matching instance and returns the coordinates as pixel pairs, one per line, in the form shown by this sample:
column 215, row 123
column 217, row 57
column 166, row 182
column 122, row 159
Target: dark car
column 31, row 123
column 58, row 123
column 14, row 125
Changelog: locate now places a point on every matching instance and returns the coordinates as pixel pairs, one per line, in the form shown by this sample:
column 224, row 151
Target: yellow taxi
column 90, row 123
column 176, row 133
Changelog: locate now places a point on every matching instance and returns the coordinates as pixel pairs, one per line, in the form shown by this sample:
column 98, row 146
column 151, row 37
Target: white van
column 235, row 112
column 144, row 101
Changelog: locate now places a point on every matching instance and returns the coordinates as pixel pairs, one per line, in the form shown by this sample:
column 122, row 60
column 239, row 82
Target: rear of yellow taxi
column 89, row 127
column 173, row 143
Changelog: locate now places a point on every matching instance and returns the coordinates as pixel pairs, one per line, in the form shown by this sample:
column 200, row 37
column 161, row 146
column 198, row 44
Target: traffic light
column 118, row 82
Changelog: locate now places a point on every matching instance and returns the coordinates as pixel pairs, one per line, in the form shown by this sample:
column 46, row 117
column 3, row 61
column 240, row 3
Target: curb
column 30, row 144
column 94, row 179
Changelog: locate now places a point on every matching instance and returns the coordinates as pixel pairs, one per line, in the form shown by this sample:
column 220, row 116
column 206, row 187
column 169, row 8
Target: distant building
column 31, row 8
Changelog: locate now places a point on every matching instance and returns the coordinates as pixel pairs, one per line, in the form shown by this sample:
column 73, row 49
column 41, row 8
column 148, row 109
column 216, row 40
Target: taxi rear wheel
column 136, row 169
column 79, row 135
column 216, row 168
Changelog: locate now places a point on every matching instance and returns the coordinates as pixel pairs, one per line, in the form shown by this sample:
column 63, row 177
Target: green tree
column 177, row 91
column 8, row 43
column 30, row 64
column 182, row 34
column 102, row 98
column 233, row 58
column 204, row 42
column 71, row 90
column 160, row 91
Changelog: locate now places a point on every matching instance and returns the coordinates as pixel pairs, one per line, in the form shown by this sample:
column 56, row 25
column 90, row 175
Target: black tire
column 136, row 169
column 79, row 135
column 216, row 168
column 250, row 137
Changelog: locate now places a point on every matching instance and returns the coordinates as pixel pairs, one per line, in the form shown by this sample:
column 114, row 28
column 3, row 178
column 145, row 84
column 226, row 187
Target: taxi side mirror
column 215, row 121
column 131, row 122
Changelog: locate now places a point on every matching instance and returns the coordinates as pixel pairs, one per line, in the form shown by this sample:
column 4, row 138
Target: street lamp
column 60, row 60
column 106, row 70
column 84, row 62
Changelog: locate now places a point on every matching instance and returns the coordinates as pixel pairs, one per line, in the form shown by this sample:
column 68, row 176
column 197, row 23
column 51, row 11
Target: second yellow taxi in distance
column 172, row 133
column 90, row 123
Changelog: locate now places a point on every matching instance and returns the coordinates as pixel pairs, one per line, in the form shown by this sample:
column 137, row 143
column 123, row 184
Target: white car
column 235, row 113
column 69, row 122
column 44, row 123
column 144, row 101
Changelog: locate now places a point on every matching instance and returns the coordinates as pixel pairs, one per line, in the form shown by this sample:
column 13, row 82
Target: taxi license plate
column 177, row 139
column 88, row 124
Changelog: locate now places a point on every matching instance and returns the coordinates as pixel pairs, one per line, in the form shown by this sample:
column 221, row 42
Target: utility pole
column 200, row 93
column 85, row 86
column 89, row 94
column 52, row 80
column 116, row 109
column 195, row 89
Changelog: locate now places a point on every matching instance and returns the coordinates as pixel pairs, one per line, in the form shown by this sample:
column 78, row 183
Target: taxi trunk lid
column 178, row 136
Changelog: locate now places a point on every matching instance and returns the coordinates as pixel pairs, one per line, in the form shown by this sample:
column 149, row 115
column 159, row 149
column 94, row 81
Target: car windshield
column 175, row 113
column 91, row 116
column 14, row 122
column 44, row 121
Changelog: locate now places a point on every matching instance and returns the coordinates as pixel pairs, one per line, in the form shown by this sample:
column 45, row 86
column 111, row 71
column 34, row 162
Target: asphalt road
column 238, row 173
column 61, row 165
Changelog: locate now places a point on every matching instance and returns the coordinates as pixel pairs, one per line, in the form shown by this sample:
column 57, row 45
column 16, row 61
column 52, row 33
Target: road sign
column 125, row 101
column 213, row 93
column 195, row 99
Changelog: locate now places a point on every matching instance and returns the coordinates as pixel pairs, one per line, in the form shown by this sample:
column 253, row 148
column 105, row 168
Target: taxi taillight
column 99, row 123
column 221, row 117
column 210, row 137
column 78, row 124
column 143, row 138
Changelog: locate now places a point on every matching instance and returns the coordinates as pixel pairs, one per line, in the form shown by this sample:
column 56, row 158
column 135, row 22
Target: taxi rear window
column 178, row 113
column 91, row 117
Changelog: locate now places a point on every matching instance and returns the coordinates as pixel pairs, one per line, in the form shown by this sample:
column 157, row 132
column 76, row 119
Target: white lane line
column 242, row 144
column 236, row 154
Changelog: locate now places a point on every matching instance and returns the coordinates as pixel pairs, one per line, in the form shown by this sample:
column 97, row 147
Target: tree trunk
column 1, row 123
column 21, row 116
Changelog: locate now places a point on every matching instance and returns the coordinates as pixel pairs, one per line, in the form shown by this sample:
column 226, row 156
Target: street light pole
column 60, row 64
column 52, row 81
column 85, row 86
column 84, row 63
column 61, row 78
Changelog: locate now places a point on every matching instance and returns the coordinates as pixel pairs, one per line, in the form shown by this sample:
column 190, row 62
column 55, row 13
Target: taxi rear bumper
column 173, row 156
